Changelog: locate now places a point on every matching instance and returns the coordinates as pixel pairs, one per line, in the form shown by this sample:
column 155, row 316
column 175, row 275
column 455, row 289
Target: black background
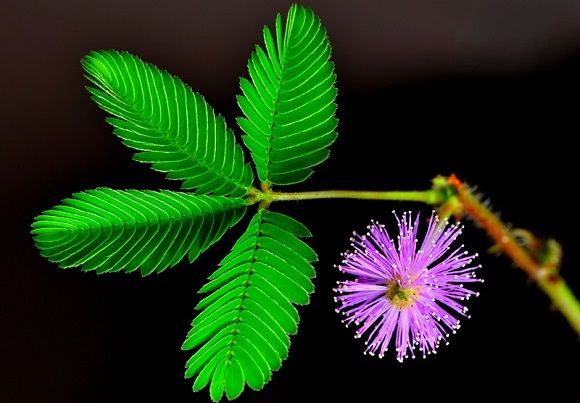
column 486, row 90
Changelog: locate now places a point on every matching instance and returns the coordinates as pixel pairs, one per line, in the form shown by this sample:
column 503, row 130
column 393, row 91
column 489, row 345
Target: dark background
column 484, row 89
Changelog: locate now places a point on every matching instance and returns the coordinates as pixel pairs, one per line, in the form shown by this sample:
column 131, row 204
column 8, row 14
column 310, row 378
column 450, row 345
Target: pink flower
column 414, row 290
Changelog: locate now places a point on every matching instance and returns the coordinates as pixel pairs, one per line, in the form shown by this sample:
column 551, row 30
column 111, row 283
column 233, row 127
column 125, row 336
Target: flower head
column 415, row 290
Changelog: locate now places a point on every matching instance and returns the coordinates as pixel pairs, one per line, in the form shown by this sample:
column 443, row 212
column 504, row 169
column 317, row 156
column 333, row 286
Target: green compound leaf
column 289, row 103
column 111, row 230
column 242, row 333
column 172, row 127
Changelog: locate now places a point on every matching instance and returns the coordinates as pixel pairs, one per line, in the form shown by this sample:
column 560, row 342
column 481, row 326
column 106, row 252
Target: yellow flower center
column 401, row 297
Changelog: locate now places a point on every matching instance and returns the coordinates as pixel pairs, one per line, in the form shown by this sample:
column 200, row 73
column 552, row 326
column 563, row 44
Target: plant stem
column 540, row 260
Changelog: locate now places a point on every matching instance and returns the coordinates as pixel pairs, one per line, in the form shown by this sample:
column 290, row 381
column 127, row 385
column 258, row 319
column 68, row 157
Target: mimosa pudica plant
column 241, row 334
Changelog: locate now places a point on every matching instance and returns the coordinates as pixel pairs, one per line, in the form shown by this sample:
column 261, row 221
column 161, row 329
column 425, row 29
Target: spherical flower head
column 414, row 290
